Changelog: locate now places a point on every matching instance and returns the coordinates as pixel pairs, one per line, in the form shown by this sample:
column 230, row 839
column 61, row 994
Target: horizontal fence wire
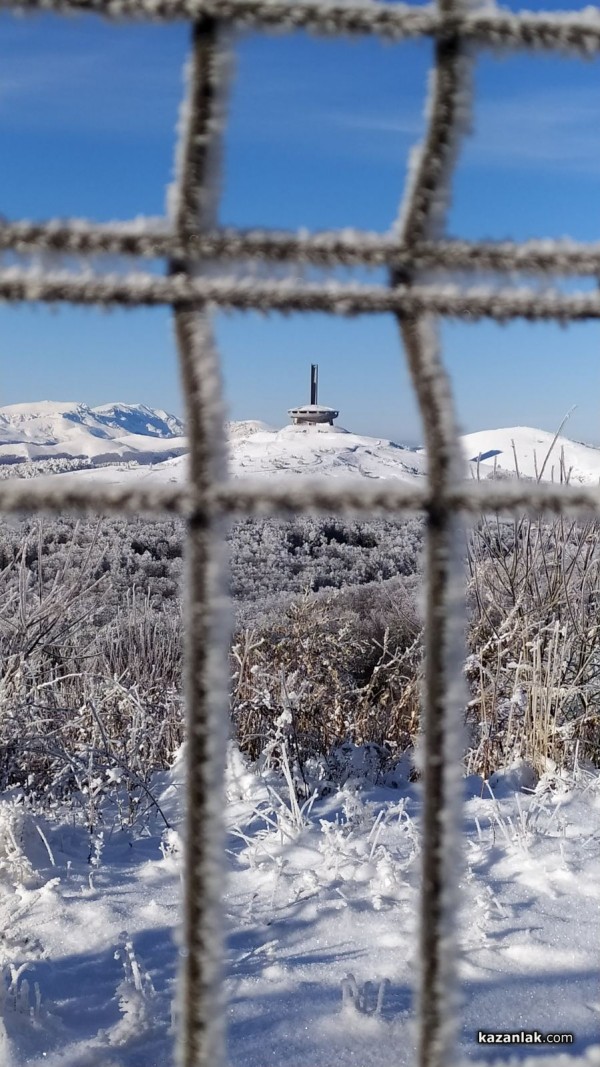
column 562, row 31
column 145, row 290
column 266, row 497
column 411, row 252
column 326, row 249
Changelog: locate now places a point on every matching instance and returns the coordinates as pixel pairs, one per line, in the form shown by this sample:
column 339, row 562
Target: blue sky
column 319, row 136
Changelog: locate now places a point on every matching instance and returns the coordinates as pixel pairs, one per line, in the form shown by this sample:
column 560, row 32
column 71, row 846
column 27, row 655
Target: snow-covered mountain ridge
column 120, row 438
column 110, row 433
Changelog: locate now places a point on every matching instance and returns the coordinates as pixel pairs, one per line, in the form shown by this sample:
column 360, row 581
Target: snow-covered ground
column 317, row 908
column 536, row 451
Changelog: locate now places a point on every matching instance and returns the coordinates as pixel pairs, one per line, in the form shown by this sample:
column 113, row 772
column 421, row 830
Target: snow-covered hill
column 536, row 452
column 311, row 450
column 50, row 430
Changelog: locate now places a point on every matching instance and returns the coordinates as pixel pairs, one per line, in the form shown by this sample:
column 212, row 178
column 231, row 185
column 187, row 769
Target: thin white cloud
column 95, row 89
column 407, row 124
column 552, row 129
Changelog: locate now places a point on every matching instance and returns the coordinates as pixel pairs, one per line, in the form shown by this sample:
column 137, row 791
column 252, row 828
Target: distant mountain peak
column 109, row 433
column 140, row 419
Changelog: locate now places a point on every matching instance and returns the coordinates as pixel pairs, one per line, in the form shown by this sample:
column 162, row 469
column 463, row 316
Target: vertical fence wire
column 201, row 1034
column 422, row 217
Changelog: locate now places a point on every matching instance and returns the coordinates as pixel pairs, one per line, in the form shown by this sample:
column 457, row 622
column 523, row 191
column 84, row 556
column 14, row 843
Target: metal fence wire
column 188, row 242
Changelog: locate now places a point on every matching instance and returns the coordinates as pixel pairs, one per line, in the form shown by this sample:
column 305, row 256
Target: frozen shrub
column 330, row 660
column 534, row 667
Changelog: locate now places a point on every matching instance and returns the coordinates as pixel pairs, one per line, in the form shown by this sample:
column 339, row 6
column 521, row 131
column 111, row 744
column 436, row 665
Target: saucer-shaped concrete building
column 313, row 414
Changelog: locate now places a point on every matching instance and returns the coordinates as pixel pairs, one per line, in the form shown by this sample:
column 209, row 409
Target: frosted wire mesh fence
column 191, row 239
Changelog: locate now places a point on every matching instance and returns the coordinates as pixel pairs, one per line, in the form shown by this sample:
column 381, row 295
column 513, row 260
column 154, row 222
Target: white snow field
column 320, row 906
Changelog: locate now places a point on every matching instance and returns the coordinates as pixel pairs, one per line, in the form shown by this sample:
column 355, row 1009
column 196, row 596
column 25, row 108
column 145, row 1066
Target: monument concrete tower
column 313, row 414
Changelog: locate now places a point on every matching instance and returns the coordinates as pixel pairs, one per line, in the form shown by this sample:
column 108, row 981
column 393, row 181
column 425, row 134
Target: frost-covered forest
column 326, row 623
